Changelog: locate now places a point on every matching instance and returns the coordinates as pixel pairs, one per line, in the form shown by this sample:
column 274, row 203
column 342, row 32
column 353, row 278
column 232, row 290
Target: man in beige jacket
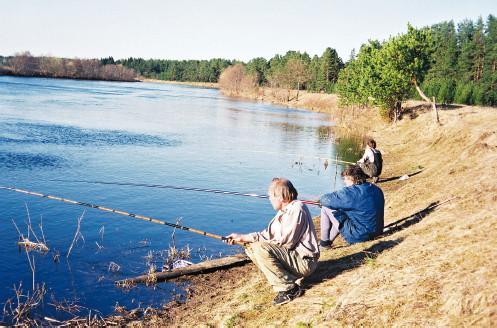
column 287, row 250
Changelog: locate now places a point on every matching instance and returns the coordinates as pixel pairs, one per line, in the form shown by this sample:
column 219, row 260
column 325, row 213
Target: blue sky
column 216, row 28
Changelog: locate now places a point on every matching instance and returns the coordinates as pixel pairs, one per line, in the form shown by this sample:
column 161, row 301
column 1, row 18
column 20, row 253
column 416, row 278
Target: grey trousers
column 369, row 168
column 282, row 267
column 329, row 224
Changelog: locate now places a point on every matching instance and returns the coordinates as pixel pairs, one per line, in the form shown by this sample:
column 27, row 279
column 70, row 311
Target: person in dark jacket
column 355, row 211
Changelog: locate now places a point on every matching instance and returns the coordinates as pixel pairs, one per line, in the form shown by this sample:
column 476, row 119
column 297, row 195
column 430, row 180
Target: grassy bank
column 317, row 102
column 436, row 269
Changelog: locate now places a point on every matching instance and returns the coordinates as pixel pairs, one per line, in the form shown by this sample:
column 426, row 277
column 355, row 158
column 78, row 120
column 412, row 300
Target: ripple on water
column 11, row 160
column 31, row 133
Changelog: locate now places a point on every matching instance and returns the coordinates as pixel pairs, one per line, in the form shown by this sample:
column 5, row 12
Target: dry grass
column 318, row 102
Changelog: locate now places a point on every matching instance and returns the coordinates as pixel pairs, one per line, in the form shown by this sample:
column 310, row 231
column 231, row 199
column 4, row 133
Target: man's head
column 372, row 143
column 281, row 192
column 353, row 174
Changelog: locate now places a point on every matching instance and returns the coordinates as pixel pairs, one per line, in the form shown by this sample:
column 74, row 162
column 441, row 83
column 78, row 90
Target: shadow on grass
column 413, row 111
column 329, row 269
column 409, row 220
column 449, row 106
column 381, row 180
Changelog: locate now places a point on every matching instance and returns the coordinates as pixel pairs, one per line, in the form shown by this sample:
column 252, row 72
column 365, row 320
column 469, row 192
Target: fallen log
column 202, row 267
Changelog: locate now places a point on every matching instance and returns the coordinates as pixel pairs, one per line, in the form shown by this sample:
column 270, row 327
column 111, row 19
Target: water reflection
column 349, row 148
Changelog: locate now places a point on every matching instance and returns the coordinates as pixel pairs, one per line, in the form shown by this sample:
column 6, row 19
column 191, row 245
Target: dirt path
column 437, row 269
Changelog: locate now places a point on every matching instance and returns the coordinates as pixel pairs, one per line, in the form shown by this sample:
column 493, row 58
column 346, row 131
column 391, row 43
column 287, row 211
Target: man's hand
column 233, row 238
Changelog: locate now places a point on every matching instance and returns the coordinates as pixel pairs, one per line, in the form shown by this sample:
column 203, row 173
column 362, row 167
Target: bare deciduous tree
column 235, row 80
column 90, row 69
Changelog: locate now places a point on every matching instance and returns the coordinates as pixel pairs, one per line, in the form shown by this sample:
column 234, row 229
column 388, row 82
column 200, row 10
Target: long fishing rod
column 106, row 209
column 217, row 191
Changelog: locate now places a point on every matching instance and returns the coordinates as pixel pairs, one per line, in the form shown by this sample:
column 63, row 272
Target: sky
column 207, row 29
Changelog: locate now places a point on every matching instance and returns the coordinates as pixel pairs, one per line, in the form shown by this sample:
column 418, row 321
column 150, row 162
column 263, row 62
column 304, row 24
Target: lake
column 54, row 129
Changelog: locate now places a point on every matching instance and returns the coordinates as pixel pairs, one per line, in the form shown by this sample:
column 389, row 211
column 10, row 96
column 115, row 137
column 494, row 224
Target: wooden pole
column 435, row 111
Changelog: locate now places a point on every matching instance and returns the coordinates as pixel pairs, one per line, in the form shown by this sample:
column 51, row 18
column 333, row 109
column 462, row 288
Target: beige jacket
column 292, row 228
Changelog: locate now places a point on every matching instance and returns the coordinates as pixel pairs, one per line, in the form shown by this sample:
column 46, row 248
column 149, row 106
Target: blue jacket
column 359, row 209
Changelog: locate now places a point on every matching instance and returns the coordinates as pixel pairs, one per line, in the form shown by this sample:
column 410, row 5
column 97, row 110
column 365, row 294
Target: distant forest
column 175, row 70
column 321, row 72
column 455, row 64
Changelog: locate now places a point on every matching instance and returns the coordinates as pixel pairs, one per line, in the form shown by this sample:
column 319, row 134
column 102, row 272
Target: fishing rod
column 216, row 191
column 132, row 215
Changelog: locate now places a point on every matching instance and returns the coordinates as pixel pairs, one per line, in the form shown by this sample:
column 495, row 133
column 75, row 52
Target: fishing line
column 216, row 191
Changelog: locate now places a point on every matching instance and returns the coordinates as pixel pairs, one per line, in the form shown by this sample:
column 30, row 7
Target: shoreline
column 208, row 85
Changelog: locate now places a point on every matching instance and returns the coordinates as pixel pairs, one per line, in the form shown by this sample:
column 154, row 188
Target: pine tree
column 464, row 88
column 331, row 64
column 440, row 79
column 489, row 79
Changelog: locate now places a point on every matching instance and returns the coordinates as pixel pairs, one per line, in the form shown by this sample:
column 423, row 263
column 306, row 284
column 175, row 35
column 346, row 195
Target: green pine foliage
column 454, row 65
column 463, row 69
column 383, row 74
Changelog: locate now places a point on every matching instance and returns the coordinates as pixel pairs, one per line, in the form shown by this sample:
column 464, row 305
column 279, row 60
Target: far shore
column 211, row 85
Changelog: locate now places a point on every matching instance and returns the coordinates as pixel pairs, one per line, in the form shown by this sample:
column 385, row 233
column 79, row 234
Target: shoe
column 325, row 244
column 286, row 296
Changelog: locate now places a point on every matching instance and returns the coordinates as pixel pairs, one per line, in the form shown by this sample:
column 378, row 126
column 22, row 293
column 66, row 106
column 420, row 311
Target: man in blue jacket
column 355, row 211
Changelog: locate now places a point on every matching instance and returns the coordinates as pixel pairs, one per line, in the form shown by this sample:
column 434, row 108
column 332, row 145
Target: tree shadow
column 381, row 180
column 449, row 106
column 329, row 269
column 413, row 111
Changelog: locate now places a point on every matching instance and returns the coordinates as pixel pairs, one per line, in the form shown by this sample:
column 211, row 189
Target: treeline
column 294, row 70
column 86, row 69
column 175, row 70
column 440, row 64
column 298, row 70
column 463, row 66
